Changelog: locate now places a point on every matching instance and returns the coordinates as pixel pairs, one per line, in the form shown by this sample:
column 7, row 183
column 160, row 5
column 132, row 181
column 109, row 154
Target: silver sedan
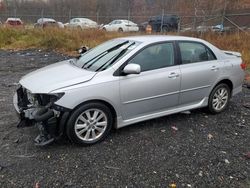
column 125, row 81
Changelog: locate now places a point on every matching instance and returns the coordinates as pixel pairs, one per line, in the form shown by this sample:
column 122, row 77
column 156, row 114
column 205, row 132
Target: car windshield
column 106, row 54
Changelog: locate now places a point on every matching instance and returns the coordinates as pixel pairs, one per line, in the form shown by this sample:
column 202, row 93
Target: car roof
column 84, row 19
column 13, row 19
column 42, row 20
column 159, row 38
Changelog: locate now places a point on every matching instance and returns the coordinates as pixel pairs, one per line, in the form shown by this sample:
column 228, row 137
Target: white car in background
column 121, row 26
column 82, row 23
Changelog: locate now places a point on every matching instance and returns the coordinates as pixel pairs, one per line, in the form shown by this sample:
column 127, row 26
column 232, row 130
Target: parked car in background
column 203, row 28
column 14, row 22
column 82, row 23
column 47, row 22
column 60, row 25
column 125, row 81
column 164, row 23
column 121, row 26
column 142, row 26
column 221, row 29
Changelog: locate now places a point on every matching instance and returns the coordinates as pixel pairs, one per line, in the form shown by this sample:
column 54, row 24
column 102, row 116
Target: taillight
column 243, row 66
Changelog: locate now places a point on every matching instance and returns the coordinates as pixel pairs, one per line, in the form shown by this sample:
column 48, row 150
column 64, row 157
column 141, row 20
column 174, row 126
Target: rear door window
column 192, row 52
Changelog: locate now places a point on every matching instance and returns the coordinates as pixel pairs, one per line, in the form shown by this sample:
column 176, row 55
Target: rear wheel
column 219, row 98
column 120, row 30
column 79, row 27
column 89, row 124
column 165, row 29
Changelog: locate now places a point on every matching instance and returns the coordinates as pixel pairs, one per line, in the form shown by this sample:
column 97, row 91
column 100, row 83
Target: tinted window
column 155, row 57
column 195, row 52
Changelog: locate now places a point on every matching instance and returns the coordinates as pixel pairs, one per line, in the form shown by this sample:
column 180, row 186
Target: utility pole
column 162, row 15
column 70, row 12
column 15, row 9
column 224, row 12
column 42, row 13
column 129, row 9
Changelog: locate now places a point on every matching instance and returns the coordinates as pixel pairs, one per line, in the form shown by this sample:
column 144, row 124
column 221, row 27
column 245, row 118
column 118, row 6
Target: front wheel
column 89, row 124
column 219, row 98
column 120, row 30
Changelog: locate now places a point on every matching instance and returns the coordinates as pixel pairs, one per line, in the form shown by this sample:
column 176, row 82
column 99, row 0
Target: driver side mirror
column 132, row 69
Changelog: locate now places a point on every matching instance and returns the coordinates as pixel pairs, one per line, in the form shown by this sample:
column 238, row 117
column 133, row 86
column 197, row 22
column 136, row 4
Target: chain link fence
column 235, row 22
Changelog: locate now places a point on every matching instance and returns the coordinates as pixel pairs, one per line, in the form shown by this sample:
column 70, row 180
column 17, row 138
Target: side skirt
column 122, row 123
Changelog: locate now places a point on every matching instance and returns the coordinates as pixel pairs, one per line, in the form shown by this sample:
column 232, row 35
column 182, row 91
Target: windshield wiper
column 105, row 65
column 103, row 54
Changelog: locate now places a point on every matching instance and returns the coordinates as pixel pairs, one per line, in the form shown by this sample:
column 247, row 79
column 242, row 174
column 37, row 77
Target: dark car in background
column 164, row 23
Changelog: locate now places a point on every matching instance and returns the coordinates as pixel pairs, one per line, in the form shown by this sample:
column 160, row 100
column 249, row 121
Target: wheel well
column 112, row 109
column 228, row 82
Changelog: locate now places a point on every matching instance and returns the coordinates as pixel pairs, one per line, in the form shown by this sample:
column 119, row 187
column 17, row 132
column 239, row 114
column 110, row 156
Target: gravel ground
column 191, row 150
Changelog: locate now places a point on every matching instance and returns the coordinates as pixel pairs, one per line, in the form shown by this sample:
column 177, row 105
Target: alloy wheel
column 91, row 125
column 220, row 99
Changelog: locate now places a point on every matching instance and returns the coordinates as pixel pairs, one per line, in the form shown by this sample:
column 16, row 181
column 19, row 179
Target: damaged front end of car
column 40, row 110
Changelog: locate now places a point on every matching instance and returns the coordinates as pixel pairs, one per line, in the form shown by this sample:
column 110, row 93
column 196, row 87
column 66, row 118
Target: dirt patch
column 197, row 149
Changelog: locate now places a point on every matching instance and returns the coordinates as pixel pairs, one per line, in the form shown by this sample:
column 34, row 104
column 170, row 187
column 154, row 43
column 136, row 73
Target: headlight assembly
column 49, row 98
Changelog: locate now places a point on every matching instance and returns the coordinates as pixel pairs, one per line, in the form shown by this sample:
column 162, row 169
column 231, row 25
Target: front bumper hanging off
column 49, row 119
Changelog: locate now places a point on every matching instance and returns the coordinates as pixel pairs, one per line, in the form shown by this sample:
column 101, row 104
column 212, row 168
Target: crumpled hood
column 55, row 76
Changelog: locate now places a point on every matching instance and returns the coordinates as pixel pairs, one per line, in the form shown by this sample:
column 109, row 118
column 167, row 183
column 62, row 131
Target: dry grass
column 67, row 41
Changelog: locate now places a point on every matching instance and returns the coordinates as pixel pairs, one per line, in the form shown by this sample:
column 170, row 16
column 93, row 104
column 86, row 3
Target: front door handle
column 173, row 75
column 214, row 68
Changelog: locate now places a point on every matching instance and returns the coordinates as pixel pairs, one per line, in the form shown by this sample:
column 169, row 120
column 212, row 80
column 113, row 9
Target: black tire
column 70, row 129
column 165, row 29
column 120, row 30
column 79, row 27
column 211, row 107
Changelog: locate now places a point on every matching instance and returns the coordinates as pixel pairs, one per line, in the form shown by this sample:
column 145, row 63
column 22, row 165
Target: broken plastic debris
column 37, row 185
column 163, row 130
column 246, row 105
column 200, row 173
column 172, row 185
column 186, row 112
column 227, row 161
column 174, row 128
column 112, row 167
column 209, row 136
column 247, row 155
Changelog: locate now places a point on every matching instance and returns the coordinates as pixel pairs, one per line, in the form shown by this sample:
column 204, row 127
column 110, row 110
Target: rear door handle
column 214, row 68
column 173, row 75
